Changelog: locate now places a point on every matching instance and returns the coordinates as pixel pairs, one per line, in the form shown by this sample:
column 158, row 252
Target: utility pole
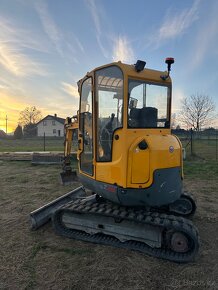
column 6, row 125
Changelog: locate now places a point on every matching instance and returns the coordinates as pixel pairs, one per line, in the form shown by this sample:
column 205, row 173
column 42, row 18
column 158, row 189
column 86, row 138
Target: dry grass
column 42, row 260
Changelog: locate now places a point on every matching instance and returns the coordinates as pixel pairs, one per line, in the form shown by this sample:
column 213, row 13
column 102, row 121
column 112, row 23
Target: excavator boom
column 68, row 175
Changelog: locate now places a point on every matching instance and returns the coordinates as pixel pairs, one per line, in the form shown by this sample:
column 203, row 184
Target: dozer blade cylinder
column 43, row 214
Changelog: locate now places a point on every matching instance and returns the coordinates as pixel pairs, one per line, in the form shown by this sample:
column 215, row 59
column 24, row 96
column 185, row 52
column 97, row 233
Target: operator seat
column 148, row 117
column 143, row 118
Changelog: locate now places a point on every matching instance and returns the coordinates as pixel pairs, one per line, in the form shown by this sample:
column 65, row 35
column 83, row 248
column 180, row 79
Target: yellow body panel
column 139, row 164
column 132, row 167
column 163, row 152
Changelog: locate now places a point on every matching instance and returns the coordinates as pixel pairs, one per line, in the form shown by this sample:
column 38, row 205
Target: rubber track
column 168, row 222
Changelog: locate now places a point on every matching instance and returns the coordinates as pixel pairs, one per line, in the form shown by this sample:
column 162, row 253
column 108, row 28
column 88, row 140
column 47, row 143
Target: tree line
column 197, row 112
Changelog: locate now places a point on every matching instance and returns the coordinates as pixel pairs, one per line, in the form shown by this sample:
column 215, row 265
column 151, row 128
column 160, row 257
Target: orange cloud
column 10, row 107
column 11, row 104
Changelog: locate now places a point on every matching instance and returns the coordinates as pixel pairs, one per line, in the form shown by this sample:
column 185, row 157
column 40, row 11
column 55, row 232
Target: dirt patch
column 42, row 260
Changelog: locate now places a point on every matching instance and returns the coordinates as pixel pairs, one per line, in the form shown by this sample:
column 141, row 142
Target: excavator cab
column 126, row 151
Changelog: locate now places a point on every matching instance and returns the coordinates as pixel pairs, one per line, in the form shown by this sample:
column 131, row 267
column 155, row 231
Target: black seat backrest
column 134, row 117
column 143, row 118
column 148, row 117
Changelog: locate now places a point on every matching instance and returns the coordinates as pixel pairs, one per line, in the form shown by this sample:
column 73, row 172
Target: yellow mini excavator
column 130, row 166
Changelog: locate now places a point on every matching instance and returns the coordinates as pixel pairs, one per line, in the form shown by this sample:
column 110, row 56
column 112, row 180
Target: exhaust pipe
column 43, row 214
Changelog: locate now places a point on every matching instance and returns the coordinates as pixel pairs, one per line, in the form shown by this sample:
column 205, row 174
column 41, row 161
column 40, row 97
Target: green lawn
column 32, row 144
column 202, row 149
column 205, row 170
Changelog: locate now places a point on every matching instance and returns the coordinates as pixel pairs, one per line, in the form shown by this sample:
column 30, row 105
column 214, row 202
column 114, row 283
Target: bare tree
column 30, row 115
column 197, row 111
column 173, row 121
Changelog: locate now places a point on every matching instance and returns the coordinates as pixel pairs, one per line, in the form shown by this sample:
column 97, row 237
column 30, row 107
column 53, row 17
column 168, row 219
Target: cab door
column 85, row 139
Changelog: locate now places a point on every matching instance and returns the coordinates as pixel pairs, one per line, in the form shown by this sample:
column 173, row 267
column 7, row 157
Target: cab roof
column 128, row 70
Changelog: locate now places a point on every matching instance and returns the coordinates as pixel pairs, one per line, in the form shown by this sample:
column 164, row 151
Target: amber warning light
column 169, row 61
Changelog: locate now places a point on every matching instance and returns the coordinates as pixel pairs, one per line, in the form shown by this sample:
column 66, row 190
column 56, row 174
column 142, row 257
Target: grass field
column 42, row 260
column 31, row 144
column 202, row 148
column 203, row 145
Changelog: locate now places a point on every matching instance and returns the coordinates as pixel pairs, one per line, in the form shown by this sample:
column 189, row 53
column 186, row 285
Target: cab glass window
column 109, row 99
column 86, row 115
column 149, row 105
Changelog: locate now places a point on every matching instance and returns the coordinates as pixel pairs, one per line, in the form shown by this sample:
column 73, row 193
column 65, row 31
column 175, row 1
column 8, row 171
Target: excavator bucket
column 68, row 177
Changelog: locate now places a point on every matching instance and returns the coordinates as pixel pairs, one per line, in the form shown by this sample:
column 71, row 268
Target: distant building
column 51, row 126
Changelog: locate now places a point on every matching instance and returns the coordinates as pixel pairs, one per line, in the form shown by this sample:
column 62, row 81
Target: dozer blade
column 68, row 177
column 43, row 214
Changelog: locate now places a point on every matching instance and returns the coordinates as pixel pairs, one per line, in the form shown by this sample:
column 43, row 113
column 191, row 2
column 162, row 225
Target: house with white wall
column 51, row 126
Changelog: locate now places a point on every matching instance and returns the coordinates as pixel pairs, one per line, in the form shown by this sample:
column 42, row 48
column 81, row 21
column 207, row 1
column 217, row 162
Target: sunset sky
column 47, row 46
